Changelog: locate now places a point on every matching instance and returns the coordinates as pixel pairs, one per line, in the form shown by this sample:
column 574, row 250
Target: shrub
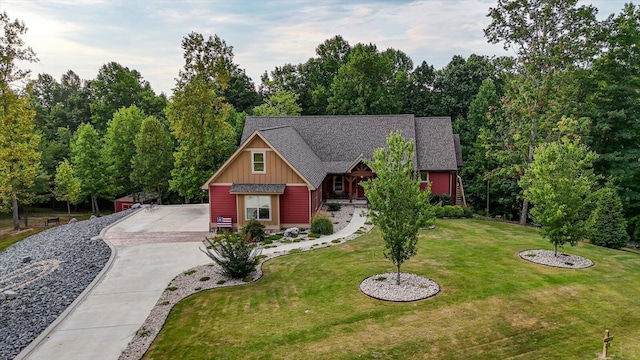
column 253, row 229
column 321, row 224
column 334, row 206
column 443, row 199
column 609, row 227
column 439, row 211
column 237, row 255
column 467, row 212
column 451, row 211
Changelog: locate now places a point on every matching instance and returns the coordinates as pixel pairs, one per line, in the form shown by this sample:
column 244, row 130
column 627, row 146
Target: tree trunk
column 95, row 201
column 186, row 199
column 159, row 197
column 398, row 277
column 525, row 210
column 16, row 216
column 68, row 208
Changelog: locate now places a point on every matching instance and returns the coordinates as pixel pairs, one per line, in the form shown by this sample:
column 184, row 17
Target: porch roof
column 257, row 188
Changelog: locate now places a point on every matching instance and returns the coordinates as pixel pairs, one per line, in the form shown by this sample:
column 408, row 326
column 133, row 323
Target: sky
column 145, row 35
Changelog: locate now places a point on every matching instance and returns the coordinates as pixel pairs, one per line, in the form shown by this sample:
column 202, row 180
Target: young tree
column 560, row 182
column 86, row 159
column 153, row 159
column 282, row 103
column 398, row 206
column 609, row 227
column 68, row 185
column 19, row 155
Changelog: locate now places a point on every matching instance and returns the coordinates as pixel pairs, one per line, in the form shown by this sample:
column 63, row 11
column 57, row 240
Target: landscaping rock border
column 412, row 287
column 76, row 257
column 563, row 260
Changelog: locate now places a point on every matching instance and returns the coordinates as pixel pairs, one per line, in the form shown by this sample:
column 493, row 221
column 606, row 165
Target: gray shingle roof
column 296, row 151
column 257, row 188
column 435, row 148
column 456, row 143
column 318, row 145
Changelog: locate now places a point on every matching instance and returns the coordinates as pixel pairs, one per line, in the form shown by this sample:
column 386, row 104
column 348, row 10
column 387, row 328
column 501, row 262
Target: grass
column 493, row 305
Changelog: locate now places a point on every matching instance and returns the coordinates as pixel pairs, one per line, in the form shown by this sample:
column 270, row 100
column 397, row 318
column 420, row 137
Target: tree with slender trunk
column 153, row 159
column 68, row 185
column 398, row 206
column 86, row 158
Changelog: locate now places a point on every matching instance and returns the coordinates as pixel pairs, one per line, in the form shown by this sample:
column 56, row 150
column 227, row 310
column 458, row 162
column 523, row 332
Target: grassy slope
column 493, row 304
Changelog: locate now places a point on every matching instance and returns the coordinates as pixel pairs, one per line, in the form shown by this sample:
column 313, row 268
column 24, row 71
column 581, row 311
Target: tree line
column 573, row 76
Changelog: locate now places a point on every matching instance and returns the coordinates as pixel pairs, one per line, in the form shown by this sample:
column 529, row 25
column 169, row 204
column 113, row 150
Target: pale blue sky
column 82, row 35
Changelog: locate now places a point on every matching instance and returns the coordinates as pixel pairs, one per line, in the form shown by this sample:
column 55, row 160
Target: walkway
column 102, row 321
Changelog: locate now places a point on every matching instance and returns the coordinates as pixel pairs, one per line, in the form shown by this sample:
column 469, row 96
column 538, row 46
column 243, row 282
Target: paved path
column 103, row 320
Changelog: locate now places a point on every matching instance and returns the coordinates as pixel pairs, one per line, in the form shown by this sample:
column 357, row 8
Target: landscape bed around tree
column 562, row 260
column 412, row 287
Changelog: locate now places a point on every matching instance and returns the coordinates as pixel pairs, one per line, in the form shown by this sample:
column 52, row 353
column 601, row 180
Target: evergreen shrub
column 236, row 254
column 321, row 224
column 253, row 229
column 608, row 224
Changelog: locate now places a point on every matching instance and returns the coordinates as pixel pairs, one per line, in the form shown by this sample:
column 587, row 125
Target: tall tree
column 19, row 155
column 86, row 159
column 198, row 113
column 13, row 50
column 398, row 206
column 609, row 227
column 68, row 185
column 119, row 148
column 368, row 83
column 614, row 107
column 197, row 116
column 282, row 103
column 241, row 92
column 560, row 182
column 153, row 160
column 549, row 37
column 116, row 87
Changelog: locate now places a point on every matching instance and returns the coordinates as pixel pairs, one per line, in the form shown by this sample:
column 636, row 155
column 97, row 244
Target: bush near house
column 236, row 254
column 321, row 223
column 254, row 230
column 452, row 211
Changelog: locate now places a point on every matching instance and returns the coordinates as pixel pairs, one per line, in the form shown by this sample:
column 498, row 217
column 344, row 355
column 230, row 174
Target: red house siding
column 294, row 205
column 440, row 183
column 121, row 205
column 222, row 203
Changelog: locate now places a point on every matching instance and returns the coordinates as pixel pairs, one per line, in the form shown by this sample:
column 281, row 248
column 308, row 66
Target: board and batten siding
column 295, row 207
column 277, row 170
column 222, row 203
column 273, row 224
column 440, row 183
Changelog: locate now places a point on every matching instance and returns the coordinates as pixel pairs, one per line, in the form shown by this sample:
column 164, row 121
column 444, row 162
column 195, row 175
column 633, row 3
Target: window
column 257, row 207
column 258, row 165
column 424, row 176
column 337, row 184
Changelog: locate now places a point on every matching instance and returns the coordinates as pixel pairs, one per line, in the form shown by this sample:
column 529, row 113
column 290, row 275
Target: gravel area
column 412, row 287
column 63, row 261
column 563, row 260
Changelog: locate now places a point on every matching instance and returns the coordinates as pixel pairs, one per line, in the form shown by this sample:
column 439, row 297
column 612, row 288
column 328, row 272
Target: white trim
column 253, row 162
column 246, row 213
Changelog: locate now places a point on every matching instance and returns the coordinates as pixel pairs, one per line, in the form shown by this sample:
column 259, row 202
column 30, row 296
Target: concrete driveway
column 149, row 249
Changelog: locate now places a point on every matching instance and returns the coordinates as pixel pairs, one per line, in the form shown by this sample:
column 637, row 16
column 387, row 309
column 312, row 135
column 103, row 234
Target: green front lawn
column 493, row 305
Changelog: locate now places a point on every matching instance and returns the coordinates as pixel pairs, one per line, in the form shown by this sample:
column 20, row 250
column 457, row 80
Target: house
column 287, row 167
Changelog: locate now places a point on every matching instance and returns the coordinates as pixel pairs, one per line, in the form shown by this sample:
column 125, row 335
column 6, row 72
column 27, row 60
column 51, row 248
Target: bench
column 224, row 222
column 49, row 221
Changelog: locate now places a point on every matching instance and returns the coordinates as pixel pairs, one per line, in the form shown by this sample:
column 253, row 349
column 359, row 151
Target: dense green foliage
column 322, row 224
column 68, row 185
column 398, row 206
column 153, row 159
column 609, row 228
column 560, row 182
column 236, row 254
column 254, row 230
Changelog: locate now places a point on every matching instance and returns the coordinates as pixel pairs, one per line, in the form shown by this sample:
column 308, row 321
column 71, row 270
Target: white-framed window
column 338, row 185
column 258, row 162
column 424, row 176
column 257, row 207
